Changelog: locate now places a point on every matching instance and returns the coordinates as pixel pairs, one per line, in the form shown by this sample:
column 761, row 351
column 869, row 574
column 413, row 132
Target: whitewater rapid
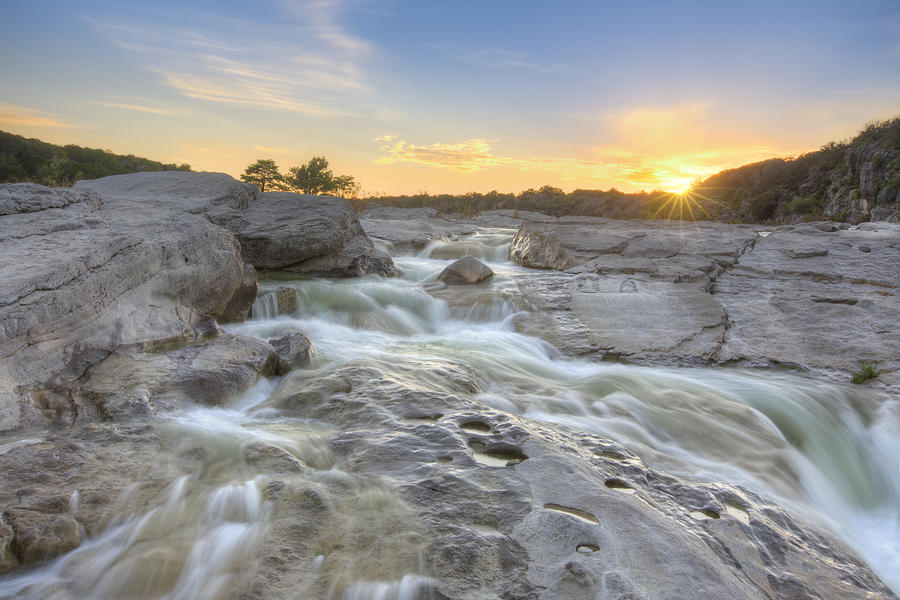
column 827, row 452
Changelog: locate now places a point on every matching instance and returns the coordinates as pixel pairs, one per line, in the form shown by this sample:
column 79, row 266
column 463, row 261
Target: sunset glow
column 456, row 107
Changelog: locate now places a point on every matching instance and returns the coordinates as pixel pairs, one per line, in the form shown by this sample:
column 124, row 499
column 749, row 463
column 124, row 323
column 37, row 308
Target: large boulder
column 466, row 270
column 86, row 276
column 315, row 235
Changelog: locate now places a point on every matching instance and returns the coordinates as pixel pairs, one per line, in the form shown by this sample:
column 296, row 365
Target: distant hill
column 23, row 159
column 854, row 180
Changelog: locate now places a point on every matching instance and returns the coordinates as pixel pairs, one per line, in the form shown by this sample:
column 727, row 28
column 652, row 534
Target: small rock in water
column 294, row 350
column 466, row 270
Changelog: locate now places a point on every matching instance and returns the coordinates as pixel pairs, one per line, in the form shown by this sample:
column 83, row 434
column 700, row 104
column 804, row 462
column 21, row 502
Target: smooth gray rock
column 293, row 349
column 466, row 270
column 316, row 235
column 129, row 385
column 83, row 278
column 818, row 301
column 504, row 507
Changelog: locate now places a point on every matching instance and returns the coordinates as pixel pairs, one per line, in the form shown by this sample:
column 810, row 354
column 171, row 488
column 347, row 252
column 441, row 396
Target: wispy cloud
column 272, row 150
column 24, row 116
column 650, row 148
column 498, row 58
column 165, row 112
column 207, row 150
column 305, row 63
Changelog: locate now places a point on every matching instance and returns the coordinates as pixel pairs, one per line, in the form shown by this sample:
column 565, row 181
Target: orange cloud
column 650, row 148
column 23, row 116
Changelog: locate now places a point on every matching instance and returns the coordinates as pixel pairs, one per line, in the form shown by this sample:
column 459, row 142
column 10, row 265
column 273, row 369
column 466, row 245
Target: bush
column 865, row 373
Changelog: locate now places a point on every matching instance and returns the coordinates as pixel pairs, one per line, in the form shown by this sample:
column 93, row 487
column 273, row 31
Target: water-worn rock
column 503, row 507
column 39, row 536
column 464, row 271
column 129, row 384
column 316, row 235
column 144, row 260
column 84, row 277
column 822, row 301
column 294, row 350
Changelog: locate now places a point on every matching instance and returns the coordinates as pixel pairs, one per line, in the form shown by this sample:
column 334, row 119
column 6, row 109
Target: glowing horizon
column 464, row 105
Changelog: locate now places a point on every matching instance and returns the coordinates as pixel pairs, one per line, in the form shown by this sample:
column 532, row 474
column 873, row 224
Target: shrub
column 865, row 373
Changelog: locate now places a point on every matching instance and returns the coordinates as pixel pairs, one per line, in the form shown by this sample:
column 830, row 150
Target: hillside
column 23, row 159
column 855, row 180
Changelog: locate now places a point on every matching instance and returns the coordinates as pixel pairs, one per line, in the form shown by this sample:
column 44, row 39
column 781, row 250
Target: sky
column 453, row 96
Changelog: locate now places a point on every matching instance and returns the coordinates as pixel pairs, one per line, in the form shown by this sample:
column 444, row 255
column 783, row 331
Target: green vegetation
column 313, row 177
column 264, row 174
column 779, row 188
column 23, row 159
column 865, row 373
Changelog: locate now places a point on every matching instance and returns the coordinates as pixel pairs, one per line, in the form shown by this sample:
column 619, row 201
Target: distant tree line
column 23, row 159
column 313, row 177
column 548, row 199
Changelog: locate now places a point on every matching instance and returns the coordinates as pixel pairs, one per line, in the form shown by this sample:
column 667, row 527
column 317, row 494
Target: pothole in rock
column 444, row 459
column 587, row 549
column 704, row 514
column 496, row 457
column 475, row 427
column 619, row 485
column 738, row 512
column 575, row 512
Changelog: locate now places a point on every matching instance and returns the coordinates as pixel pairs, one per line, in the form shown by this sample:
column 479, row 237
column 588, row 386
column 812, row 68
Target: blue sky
column 453, row 96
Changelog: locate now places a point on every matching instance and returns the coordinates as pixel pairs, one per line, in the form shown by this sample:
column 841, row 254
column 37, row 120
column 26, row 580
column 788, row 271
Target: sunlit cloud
column 305, row 63
column 498, row 58
column 23, row 116
column 140, row 108
column 651, row 148
column 272, row 150
column 207, row 151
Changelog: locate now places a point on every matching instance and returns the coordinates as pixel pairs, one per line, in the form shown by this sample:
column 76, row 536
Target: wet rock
column 8, row 558
column 294, row 350
column 575, row 516
column 532, row 247
column 466, row 270
column 41, row 536
column 129, row 384
column 282, row 300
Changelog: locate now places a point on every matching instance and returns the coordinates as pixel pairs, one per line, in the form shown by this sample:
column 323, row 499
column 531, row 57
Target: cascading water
column 826, row 451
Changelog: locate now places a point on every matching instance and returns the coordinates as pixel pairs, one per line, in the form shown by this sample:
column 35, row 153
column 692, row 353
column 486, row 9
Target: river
column 825, row 451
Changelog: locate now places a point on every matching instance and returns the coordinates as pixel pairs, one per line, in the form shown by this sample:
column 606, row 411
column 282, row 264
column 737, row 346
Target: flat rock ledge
column 820, row 297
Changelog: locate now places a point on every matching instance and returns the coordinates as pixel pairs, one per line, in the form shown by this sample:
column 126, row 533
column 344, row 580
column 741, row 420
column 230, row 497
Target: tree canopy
column 313, row 177
column 264, row 173
column 23, row 159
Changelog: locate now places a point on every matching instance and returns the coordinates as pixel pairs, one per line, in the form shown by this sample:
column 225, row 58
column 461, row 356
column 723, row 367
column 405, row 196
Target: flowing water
column 828, row 452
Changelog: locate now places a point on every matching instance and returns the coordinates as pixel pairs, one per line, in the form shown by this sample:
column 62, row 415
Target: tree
column 264, row 173
column 315, row 177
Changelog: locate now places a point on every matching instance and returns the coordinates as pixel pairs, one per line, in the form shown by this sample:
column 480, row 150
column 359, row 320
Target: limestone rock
column 129, row 384
column 464, row 271
column 511, row 508
column 42, row 536
column 84, row 277
column 533, row 248
column 294, row 350
column 271, row 302
column 316, row 235
column 825, row 302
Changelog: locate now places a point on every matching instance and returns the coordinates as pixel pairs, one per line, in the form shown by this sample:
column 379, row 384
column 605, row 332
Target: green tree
column 315, row 177
column 264, row 173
